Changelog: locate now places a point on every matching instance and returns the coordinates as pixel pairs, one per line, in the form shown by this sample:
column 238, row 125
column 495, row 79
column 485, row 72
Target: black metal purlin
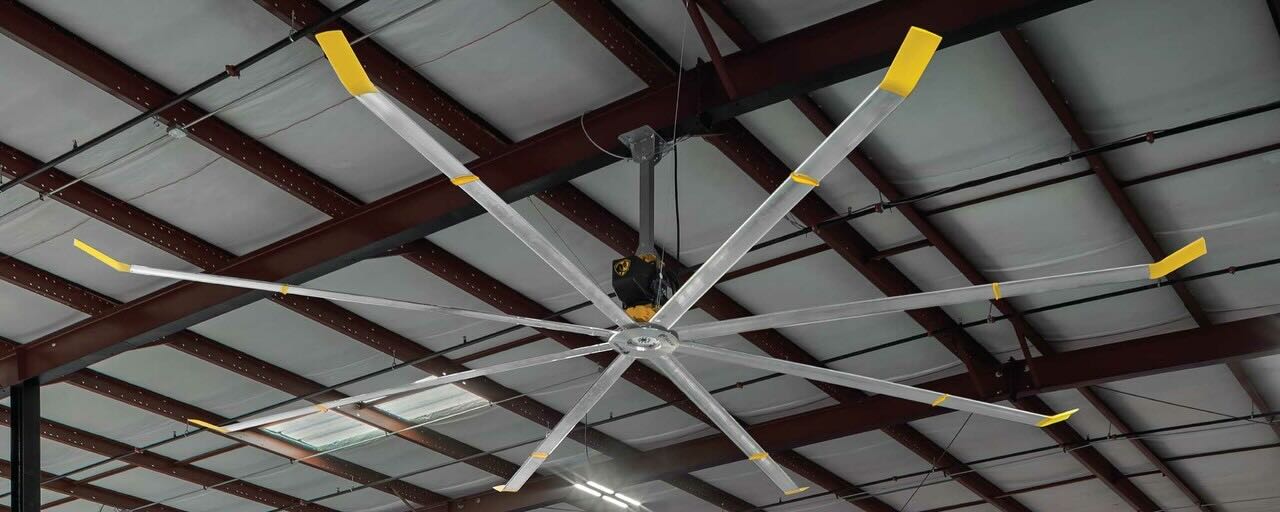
column 24, row 446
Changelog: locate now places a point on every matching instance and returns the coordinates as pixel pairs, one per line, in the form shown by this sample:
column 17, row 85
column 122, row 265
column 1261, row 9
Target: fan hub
column 645, row 341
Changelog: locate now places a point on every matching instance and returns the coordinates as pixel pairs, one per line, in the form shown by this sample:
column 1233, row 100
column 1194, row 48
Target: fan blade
column 901, row 78
column 409, row 389
column 871, row 385
column 283, row 289
column 607, row 379
column 727, row 424
column 946, row 297
column 352, row 75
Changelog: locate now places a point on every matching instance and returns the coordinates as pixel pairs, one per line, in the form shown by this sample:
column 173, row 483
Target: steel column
column 24, row 446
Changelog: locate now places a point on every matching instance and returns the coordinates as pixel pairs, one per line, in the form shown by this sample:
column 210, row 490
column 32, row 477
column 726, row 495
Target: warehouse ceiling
column 285, row 154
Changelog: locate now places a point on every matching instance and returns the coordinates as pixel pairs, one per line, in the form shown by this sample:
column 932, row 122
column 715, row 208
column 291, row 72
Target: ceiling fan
column 646, row 322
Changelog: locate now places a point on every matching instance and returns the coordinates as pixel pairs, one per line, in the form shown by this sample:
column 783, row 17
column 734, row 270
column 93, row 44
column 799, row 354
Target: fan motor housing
column 638, row 282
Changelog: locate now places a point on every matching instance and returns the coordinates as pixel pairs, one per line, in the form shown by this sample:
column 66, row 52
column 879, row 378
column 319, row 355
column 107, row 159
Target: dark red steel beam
column 40, row 35
column 164, row 406
column 99, row 495
column 393, row 75
column 1058, row 103
column 713, row 51
column 181, row 470
column 1194, row 348
column 551, row 157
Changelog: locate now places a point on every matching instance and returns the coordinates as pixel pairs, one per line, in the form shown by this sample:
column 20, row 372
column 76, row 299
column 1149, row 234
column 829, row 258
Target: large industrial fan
column 646, row 323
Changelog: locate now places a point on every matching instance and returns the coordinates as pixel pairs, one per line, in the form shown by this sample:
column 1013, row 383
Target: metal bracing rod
column 607, row 379
column 871, row 385
column 286, row 289
column 643, row 143
column 922, row 300
column 353, row 77
column 727, row 423
column 418, row 386
column 899, row 81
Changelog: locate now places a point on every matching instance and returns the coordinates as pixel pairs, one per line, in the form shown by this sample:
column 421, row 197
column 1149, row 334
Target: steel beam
column 24, row 446
column 93, row 493
column 799, row 61
column 392, row 74
column 1058, row 103
column 1194, row 348
column 40, row 35
column 182, row 470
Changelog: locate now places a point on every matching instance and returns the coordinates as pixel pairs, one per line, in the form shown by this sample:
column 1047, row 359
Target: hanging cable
column 934, row 466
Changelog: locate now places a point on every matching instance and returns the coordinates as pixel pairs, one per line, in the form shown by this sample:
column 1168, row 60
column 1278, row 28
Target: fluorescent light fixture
column 587, row 490
column 602, row 488
column 614, row 502
column 627, row 499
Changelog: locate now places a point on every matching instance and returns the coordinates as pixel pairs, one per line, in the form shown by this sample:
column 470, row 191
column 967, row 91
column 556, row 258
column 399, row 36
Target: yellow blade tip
column 205, row 424
column 344, row 62
column 795, row 491
column 1056, row 418
column 101, row 256
column 1178, row 259
column 909, row 64
column 501, row 488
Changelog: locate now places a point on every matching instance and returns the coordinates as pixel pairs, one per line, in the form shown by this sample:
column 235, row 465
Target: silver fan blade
column 907, row 66
column 352, row 75
column 607, row 379
column 282, row 288
column 871, row 385
column 921, row 300
column 419, row 386
column 727, row 424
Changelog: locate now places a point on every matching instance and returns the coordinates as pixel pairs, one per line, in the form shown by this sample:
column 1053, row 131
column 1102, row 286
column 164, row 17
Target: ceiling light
column 602, row 488
column 627, row 499
column 587, row 490
column 614, row 502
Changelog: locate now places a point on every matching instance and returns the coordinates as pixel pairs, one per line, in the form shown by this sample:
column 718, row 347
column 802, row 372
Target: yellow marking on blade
column 501, row 488
column 322, row 408
column 464, row 179
column 284, row 289
column 758, row 456
column 909, row 64
column 205, row 424
column 1179, row 258
column 538, row 455
column 795, row 491
column 1056, row 418
column 995, row 290
column 803, row 179
column 941, row 398
column 344, row 62
column 101, row 256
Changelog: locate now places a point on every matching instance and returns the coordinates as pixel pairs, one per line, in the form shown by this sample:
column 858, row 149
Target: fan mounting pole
column 644, row 143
